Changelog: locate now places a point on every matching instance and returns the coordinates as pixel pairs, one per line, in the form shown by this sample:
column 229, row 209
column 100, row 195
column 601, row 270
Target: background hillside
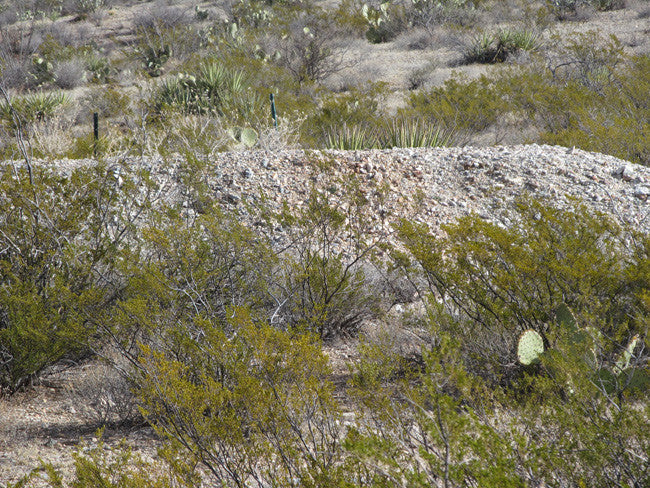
column 173, row 76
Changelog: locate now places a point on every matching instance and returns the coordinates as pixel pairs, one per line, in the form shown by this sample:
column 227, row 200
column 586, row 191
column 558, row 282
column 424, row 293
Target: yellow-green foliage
column 500, row 281
column 424, row 427
column 466, row 107
column 215, row 323
column 251, row 404
column 592, row 98
column 115, row 467
column 326, row 290
column 59, row 244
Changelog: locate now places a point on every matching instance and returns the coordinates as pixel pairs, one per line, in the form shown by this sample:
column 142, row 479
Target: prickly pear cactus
column 564, row 316
column 529, row 347
column 248, row 137
column 623, row 361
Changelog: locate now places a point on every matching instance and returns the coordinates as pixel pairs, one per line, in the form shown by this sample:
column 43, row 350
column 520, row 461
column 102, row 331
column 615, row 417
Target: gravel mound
column 430, row 185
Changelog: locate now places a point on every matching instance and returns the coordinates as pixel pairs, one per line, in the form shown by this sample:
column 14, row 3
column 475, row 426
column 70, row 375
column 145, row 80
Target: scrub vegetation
column 528, row 363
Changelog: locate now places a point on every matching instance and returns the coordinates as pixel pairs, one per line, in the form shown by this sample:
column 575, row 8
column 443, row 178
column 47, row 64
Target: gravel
column 429, row 185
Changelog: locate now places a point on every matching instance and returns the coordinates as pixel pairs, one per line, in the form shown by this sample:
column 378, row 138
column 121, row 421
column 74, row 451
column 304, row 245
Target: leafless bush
column 20, row 40
column 644, row 13
column 83, row 7
column 161, row 16
column 66, row 34
column 313, row 50
column 53, row 137
column 420, row 76
column 415, row 39
column 284, row 136
column 199, row 135
column 14, row 72
column 107, row 393
column 69, row 74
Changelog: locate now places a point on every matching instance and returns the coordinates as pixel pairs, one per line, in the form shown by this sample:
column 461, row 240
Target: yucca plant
column 214, row 90
column 31, row 108
column 497, row 47
column 403, row 132
column 352, row 138
column 481, row 49
column 510, row 41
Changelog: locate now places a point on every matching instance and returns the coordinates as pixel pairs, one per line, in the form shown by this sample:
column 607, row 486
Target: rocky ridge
column 430, row 185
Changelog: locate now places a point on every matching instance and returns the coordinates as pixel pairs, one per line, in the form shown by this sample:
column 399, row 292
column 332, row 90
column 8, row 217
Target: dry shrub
column 14, row 72
column 51, row 138
column 65, row 34
column 284, row 136
column 199, row 135
column 106, row 392
column 69, row 74
column 160, row 16
column 416, row 39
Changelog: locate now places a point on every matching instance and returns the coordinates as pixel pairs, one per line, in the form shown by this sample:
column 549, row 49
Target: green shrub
column 112, row 467
column 596, row 109
column 252, row 405
column 325, row 278
column 549, row 258
column 430, row 427
column 40, row 72
column 465, row 107
column 153, row 57
column 358, row 107
column 85, row 7
column 60, row 241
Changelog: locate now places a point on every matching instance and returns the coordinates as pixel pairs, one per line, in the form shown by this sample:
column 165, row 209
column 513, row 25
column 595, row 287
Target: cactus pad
column 248, row 137
column 529, row 347
column 623, row 361
column 565, row 316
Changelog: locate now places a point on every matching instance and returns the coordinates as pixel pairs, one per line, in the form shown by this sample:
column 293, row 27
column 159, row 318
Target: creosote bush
column 495, row 282
column 61, row 240
column 221, row 334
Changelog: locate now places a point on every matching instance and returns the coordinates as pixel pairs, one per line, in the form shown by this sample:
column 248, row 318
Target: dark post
column 95, row 132
column 273, row 114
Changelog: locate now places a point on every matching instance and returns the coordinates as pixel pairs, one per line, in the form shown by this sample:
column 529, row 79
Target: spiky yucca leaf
column 351, row 138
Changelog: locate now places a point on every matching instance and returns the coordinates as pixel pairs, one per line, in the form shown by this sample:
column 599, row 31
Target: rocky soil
column 433, row 185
